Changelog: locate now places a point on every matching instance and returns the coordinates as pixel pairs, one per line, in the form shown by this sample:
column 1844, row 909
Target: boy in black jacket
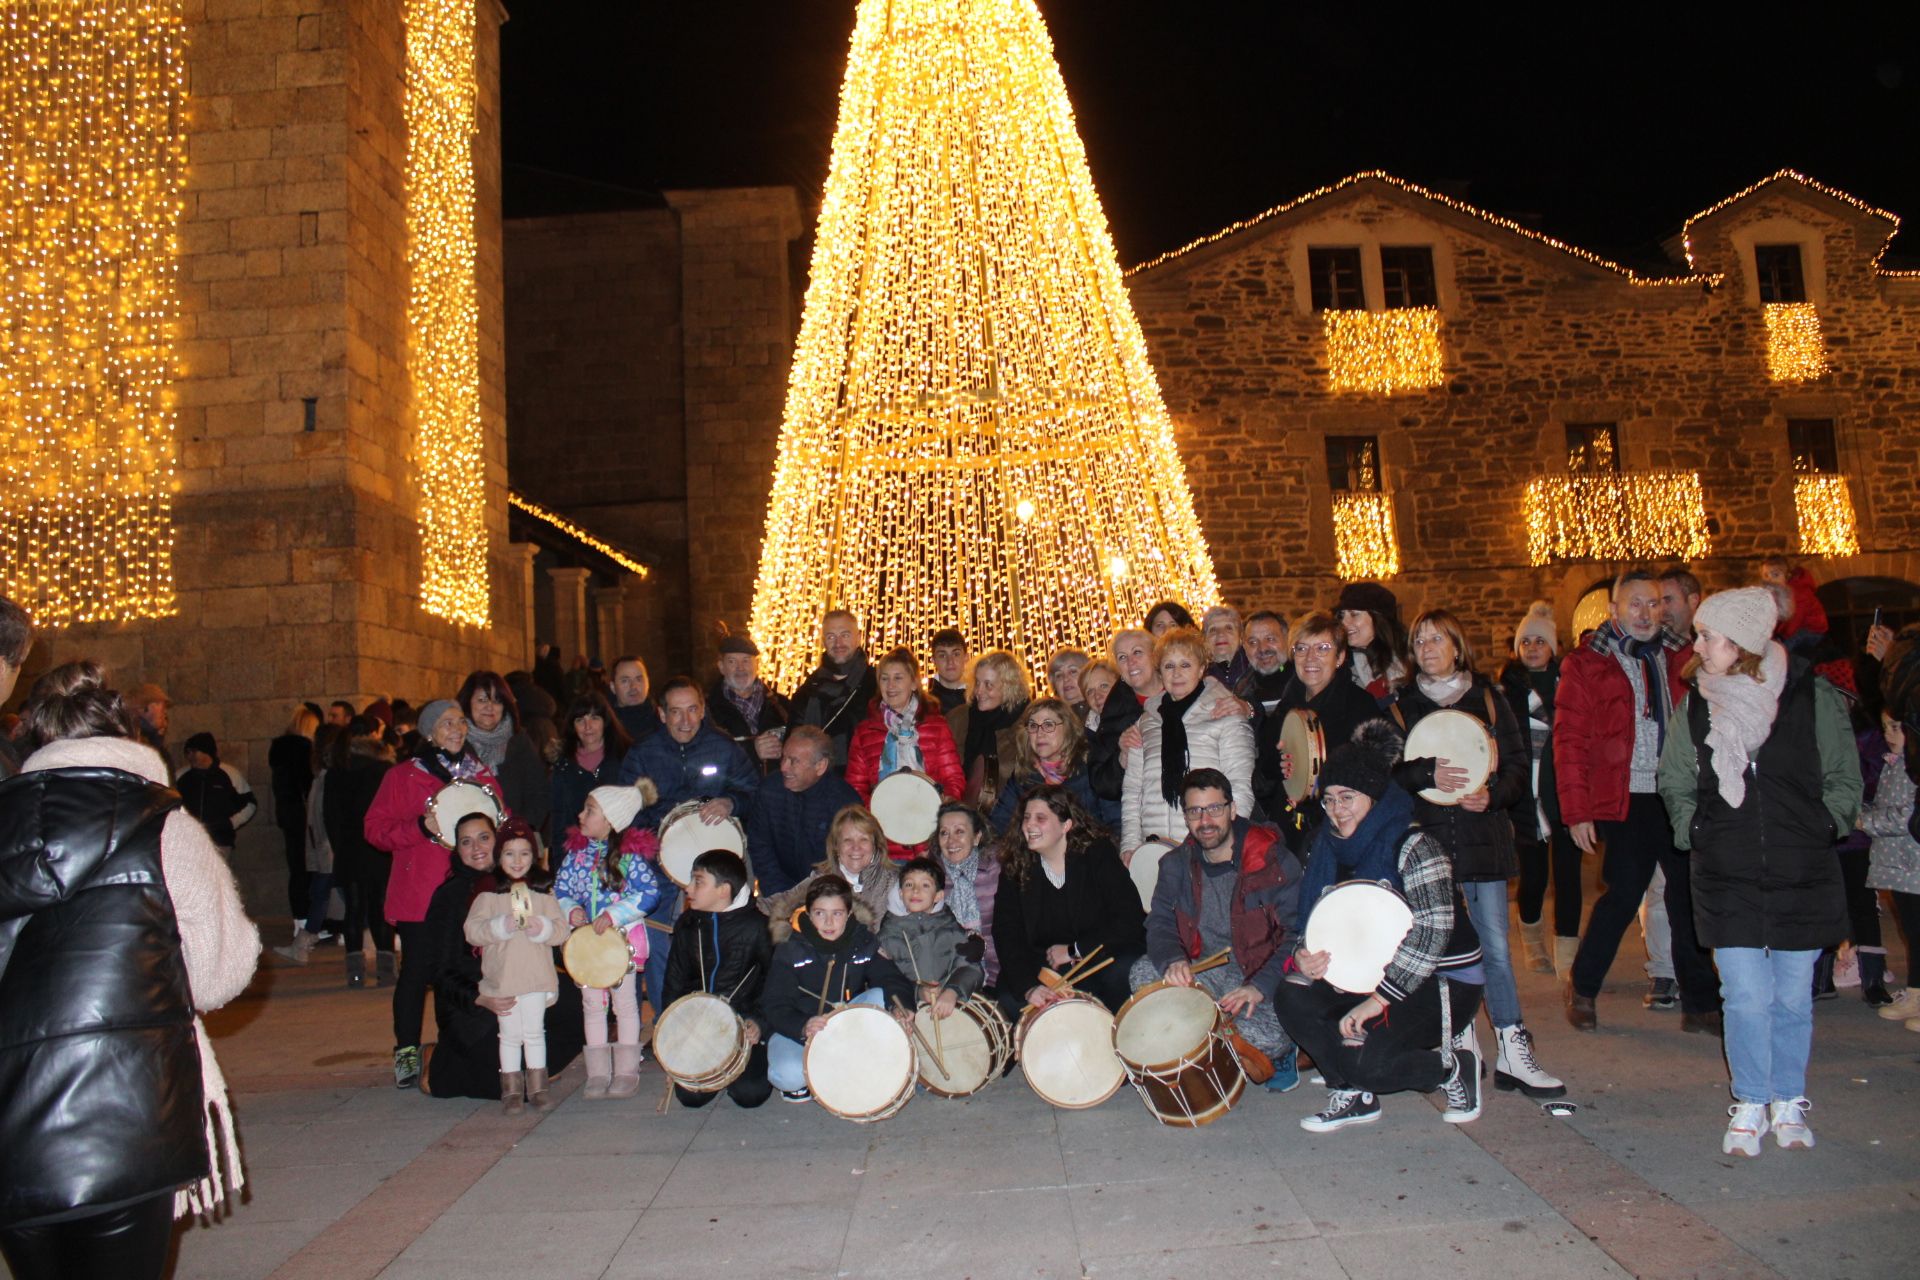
column 720, row 946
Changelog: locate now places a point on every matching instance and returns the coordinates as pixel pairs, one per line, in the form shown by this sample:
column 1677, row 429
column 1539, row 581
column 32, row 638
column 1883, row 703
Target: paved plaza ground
column 349, row 1177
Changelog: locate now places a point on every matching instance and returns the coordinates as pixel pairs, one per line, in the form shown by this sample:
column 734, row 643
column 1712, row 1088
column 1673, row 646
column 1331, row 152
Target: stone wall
column 1535, row 338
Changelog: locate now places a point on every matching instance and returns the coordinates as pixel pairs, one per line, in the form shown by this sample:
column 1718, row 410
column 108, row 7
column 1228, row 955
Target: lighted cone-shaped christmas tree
column 973, row 434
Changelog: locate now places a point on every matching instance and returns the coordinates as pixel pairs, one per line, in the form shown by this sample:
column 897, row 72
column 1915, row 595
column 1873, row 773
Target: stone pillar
column 609, row 619
column 570, row 612
column 520, row 556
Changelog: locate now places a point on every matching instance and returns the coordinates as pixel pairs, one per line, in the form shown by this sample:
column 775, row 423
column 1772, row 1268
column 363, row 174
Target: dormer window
column 1406, row 276
column 1335, row 277
column 1777, row 271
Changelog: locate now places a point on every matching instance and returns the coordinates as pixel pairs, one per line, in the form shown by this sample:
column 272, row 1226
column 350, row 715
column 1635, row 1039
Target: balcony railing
column 1364, row 543
column 1824, row 506
column 1614, row 515
column 1382, row 352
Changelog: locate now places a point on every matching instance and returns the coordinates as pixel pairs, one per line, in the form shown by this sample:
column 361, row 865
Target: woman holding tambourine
column 405, row 821
column 1386, row 1031
column 1466, row 808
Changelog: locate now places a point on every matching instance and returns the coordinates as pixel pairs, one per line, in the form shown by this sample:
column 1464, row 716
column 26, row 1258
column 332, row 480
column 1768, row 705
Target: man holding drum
column 1231, row 886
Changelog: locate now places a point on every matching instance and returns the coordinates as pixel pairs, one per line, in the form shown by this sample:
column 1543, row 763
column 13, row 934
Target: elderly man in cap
column 740, row 705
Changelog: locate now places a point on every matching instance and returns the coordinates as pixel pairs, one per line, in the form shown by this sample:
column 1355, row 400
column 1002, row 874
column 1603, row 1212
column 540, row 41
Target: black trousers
column 295, row 839
column 1557, row 859
column 1906, row 909
column 1402, row 1047
column 128, row 1243
column 1635, row 846
column 1863, row 904
column 410, row 988
column 366, row 894
column 748, row 1092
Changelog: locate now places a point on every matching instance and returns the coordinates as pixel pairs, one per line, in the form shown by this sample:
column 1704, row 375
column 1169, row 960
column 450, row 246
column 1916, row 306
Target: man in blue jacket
column 787, row 825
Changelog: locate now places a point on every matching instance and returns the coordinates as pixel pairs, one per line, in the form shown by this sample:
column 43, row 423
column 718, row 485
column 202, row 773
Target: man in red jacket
column 1617, row 693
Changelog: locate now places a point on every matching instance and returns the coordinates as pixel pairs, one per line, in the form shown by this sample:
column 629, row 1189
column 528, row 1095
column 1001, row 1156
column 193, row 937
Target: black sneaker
column 1344, row 1107
column 1463, row 1089
column 802, row 1094
column 1662, row 994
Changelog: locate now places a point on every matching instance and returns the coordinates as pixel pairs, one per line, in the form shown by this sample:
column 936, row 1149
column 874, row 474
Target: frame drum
column 1460, row 740
column 906, row 803
column 860, row 1066
column 701, row 1042
column 684, row 837
column 600, row 960
column 452, row 803
column 1306, row 745
column 975, row 1043
column 1360, row 925
column 1066, row 1052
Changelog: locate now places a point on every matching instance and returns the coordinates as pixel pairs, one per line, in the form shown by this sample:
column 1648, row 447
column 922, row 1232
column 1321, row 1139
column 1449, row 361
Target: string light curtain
column 1384, row 351
column 1824, row 506
column 1796, row 351
column 1364, row 543
column 92, row 155
column 1602, row 515
column 443, row 309
column 973, row 435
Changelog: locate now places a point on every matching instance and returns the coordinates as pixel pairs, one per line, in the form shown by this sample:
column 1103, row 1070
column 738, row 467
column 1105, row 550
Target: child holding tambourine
column 516, row 931
column 606, row 882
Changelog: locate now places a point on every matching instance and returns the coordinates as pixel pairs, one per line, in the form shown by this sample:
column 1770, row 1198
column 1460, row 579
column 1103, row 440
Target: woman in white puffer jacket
column 1183, row 728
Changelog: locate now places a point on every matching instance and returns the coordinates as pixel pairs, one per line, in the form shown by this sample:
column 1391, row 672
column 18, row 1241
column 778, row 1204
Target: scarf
column 961, row 898
column 1612, row 639
column 1740, row 714
column 1053, row 772
column 1173, row 741
column 902, row 747
column 1447, row 690
column 448, row 768
column 491, row 744
column 748, row 704
column 983, row 730
column 1372, row 852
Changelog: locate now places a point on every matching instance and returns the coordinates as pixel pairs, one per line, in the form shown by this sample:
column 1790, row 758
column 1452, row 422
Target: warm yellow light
column 1796, row 352
column 1384, row 351
column 1603, row 515
column 1365, row 545
column 1824, row 506
column 973, row 435
column 443, row 309
column 578, row 534
column 92, row 154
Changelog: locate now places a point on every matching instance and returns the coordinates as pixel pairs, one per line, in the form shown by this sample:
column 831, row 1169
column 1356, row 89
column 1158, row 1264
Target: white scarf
column 1445, row 690
column 1740, row 715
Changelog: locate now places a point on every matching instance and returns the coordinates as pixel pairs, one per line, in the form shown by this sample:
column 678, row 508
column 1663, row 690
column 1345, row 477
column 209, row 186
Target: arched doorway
column 1852, row 604
column 1594, row 607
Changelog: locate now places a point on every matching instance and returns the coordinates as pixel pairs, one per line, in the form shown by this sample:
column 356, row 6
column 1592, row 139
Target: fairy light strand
column 1823, row 506
column 92, row 156
column 973, row 434
column 1832, row 193
column 1796, row 351
column 1365, row 545
column 443, row 309
column 1383, row 352
column 574, row 531
column 1603, row 515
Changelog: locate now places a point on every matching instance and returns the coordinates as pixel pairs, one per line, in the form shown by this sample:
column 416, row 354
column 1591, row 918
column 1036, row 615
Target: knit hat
column 623, row 804
column 1369, row 597
column 203, row 741
column 1745, row 616
column 430, row 715
column 738, row 644
column 1538, row 622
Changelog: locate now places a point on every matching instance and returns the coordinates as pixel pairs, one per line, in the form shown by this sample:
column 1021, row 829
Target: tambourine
column 1306, row 746
column 453, row 803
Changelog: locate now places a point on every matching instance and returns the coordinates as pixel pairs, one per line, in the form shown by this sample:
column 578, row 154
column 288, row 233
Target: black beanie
column 203, row 741
column 1354, row 766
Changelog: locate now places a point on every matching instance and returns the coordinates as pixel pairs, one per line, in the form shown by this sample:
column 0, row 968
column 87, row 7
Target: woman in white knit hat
column 1760, row 786
column 1546, row 850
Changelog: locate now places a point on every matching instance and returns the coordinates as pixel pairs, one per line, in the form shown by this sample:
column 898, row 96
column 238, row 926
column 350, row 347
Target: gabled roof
column 1852, row 205
column 1447, row 202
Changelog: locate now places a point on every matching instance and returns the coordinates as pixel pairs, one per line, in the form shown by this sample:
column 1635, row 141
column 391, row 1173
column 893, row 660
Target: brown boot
column 1534, row 938
column 599, row 1070
column 1702, row 1024
column 626, row 1071
column 1580, row 1014
column 511, row 1084
column 537, row 1090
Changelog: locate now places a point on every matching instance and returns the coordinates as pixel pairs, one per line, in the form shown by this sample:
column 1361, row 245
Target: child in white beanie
column 606, row 880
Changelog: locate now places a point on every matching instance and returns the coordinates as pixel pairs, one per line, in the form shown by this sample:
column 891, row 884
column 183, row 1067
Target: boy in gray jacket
column 927, row 943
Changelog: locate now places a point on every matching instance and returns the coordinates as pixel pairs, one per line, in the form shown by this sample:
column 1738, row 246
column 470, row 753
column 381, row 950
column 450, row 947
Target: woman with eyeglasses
column 1048, row 747
column 1319, row 684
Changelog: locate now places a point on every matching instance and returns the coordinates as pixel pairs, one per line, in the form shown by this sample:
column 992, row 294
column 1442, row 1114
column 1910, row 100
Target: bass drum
column 1173, row 1044
column 860, row 1065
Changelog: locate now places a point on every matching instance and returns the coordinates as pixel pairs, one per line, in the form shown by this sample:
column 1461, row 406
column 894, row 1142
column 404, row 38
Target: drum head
column 1163, row 1025
column 858, row 1063
column 1067, row 1054
column 696, row 1036
column 1301, row 738
column 964, row 1047
column 597, row 959
column 1459, row 739
column 453, row 802
column 684, row 837
column 1360, row 925
column 907, row 806
column 1145, row 870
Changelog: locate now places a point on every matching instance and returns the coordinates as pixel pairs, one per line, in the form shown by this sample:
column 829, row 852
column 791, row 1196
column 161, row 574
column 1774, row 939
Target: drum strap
column 1399, row 717
column 1446, row 1022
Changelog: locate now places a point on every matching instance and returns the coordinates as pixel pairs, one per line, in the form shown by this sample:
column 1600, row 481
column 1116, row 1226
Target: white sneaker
column 1905, row 1005
column 1745, row 1129
column 1789, row 1121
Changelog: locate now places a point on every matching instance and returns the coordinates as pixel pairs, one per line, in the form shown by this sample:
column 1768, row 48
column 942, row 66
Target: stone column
column 521, row 555
column 610, row 621
column 570, row 612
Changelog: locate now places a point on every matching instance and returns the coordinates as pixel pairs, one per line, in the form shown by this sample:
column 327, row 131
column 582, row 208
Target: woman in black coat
column 1530, row 680
column 359, row 868
column 592, row 745
column 1063, row 891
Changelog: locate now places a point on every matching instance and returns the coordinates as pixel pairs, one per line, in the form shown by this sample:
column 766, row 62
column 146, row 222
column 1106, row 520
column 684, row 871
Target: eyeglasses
column 1207, row 810
column 1429, row 640
column 1302, row 649
column 1045, row 725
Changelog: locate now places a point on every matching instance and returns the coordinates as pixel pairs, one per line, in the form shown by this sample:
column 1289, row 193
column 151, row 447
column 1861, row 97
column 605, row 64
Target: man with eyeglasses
column 1231, row 885
column 1318, row 684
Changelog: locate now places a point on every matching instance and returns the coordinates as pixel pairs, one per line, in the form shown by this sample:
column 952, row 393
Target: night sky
column 1606, row 131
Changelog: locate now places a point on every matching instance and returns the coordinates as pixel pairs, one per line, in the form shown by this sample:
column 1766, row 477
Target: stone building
column 1547, row 357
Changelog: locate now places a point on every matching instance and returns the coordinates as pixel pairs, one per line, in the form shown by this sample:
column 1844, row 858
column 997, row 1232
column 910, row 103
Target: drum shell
column 900, row 1098
column 1030, row 1018
column 1304, row 741
column 674, row 863
column 1193, row 1088
column 582, row 938
column 712, row 1081
column 1437, row 727
column 996, row 1030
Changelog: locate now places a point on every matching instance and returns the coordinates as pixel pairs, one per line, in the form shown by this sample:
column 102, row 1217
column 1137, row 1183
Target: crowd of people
column 1748, row 789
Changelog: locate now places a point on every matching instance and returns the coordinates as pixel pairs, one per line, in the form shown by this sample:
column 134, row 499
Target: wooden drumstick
column 665, row 1099
column 824, row 985
column 1086, row 973
column 1074, row 971
column 1213, row 961
column 655, row 924
column 914, row 960
column 743, row 981
column 914, row 1027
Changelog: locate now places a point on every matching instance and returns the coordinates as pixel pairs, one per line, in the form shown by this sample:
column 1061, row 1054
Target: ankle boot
column 537, row 1092
column 1873, row 978
column 383, row 968
column 356, row 969
column 1517, row 1068
column 1580, row 1012
column 1564, row 950
column 1823, row 977
column 599, row 1070
column 1534, row 938
column 626, row 1071
column 511, row 1083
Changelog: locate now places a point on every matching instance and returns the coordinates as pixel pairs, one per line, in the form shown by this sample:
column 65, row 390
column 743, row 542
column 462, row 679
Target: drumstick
column 914, row 1027
column 1074, row 970
column 914, row 960
column 743, row 981
column 1087, row 973
column 665, row 1098
column 1213, row 961
column 824, row 1001
column 655, row 924
column 824, row 984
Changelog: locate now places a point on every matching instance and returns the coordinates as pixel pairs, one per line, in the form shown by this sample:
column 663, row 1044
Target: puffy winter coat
column 395, row 823
column 801, row 962
column 1593, row 732
column 873, row 895
column 1106, row 762
column 787, row 830
column 728, row 950
column 1078, row 785
column 1480, row 844
column 569, row 787
column 925, row 947
column 940, row 758
column 1225, row 744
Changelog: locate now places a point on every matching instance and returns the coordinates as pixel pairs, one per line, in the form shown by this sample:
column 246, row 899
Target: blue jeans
column 1487, row 906
column 787, row 1059
column 1767, row 999
column 653, row 974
